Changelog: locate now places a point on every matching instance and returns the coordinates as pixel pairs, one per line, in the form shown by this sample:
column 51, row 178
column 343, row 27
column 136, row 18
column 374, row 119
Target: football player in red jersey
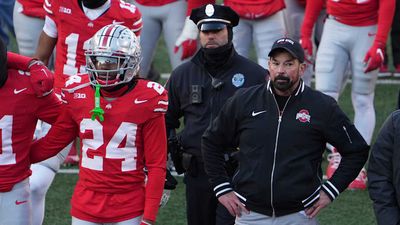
column 355, row 33
column 69, row 26
column 120, row 121
column 28, row 21
column 261, row 21
column 27, row 97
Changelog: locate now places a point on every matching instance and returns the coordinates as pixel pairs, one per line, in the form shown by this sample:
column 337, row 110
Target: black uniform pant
column 395, row 35
column 395, row 38
column 202, row 207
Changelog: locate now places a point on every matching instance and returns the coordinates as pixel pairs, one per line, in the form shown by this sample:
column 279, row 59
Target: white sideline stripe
column 69, row 171
column 379, row 81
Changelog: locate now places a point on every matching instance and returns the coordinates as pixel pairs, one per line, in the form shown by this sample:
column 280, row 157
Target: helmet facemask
column 113, row 57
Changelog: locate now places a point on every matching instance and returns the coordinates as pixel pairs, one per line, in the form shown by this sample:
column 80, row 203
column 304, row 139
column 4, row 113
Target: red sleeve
column 17, row 62
column 192, row 4
column 155, row 153
column 50, row 109
column 155, row 156
column 132, row 13
column 313, row 8
column 60, row 135
column 48, row 7
column 385, row 18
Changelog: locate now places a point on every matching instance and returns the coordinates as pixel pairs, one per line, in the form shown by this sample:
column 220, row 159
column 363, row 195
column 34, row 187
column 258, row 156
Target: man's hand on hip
column 323, row 201
column 233, row 204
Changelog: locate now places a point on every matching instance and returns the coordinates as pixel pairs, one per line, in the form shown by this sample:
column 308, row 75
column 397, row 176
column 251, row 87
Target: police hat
column 214, row 17
column 290, row 45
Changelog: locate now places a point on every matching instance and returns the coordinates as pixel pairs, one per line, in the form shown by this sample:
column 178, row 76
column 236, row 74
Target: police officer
column 197, row 90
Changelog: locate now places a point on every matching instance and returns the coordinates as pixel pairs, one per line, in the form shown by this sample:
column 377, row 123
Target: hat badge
column 209, row 10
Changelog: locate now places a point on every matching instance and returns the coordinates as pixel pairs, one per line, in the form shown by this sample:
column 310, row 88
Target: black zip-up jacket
column 238, row 72
column 280, row 153
column 384, row 172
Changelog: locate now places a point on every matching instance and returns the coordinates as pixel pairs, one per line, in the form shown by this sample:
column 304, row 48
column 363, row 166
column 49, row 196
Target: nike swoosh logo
column 137, row 101
column 257, row 113
column 20, row 202
column 19, row 91
column 371, row 34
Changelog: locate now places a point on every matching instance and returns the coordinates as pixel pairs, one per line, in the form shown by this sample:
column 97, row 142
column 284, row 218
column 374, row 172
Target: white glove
column 165, row 197
column 187, row 39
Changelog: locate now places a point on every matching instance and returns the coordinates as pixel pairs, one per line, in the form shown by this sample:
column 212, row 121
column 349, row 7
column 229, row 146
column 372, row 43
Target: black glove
column 170, row 181
column 176, row 154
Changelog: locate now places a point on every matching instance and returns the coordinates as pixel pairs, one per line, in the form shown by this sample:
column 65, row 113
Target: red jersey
column 75, row 30
column 255, row 9
column 248, row 9
column 18, row 117
column 33, row 8
column 111, row 185
column 154, row 2
column 354, row 12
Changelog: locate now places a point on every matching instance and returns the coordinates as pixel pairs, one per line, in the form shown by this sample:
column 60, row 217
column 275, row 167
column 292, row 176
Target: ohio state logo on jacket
column 303, row 116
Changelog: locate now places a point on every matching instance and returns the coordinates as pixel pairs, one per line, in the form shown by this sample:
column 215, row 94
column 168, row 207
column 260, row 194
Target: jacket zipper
column 347, row 133
column 275, row 150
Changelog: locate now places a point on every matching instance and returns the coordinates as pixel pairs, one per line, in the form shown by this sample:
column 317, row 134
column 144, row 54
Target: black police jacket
column 384, row 172
column 193, row 96
column 280, row 152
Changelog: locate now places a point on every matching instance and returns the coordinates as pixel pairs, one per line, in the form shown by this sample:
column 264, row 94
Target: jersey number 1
column 7, row 157
column 72, row 45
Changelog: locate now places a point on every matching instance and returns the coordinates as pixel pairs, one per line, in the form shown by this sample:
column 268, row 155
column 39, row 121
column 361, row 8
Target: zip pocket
column 347, row 134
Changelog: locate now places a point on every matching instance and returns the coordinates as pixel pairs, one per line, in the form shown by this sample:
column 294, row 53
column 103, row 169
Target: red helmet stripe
column 105, row 36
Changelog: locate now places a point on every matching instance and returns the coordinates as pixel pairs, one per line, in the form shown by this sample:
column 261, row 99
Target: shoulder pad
column 131, row 16
column 76, row 82
column 127, row 6
column 155, row 93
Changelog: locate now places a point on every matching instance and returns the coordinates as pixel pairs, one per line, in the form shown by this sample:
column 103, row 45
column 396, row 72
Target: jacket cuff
column 330, row 190
column 222, row 189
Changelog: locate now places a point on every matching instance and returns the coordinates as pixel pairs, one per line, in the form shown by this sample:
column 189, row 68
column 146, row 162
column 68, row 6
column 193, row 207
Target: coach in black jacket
column 384, row 172
column 197, row 90
column 281, row 129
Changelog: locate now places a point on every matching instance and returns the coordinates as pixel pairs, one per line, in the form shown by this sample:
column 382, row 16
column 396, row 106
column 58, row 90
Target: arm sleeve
column 60, row 135
column 313, row 8
column 50, row 108
column 385, row 18
column 219, row 137
column 137, row 23
column 155, row 153
column 192, row 4
column 380, row 175
column 50, row 27
column 17, row 62
column 342, row 134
